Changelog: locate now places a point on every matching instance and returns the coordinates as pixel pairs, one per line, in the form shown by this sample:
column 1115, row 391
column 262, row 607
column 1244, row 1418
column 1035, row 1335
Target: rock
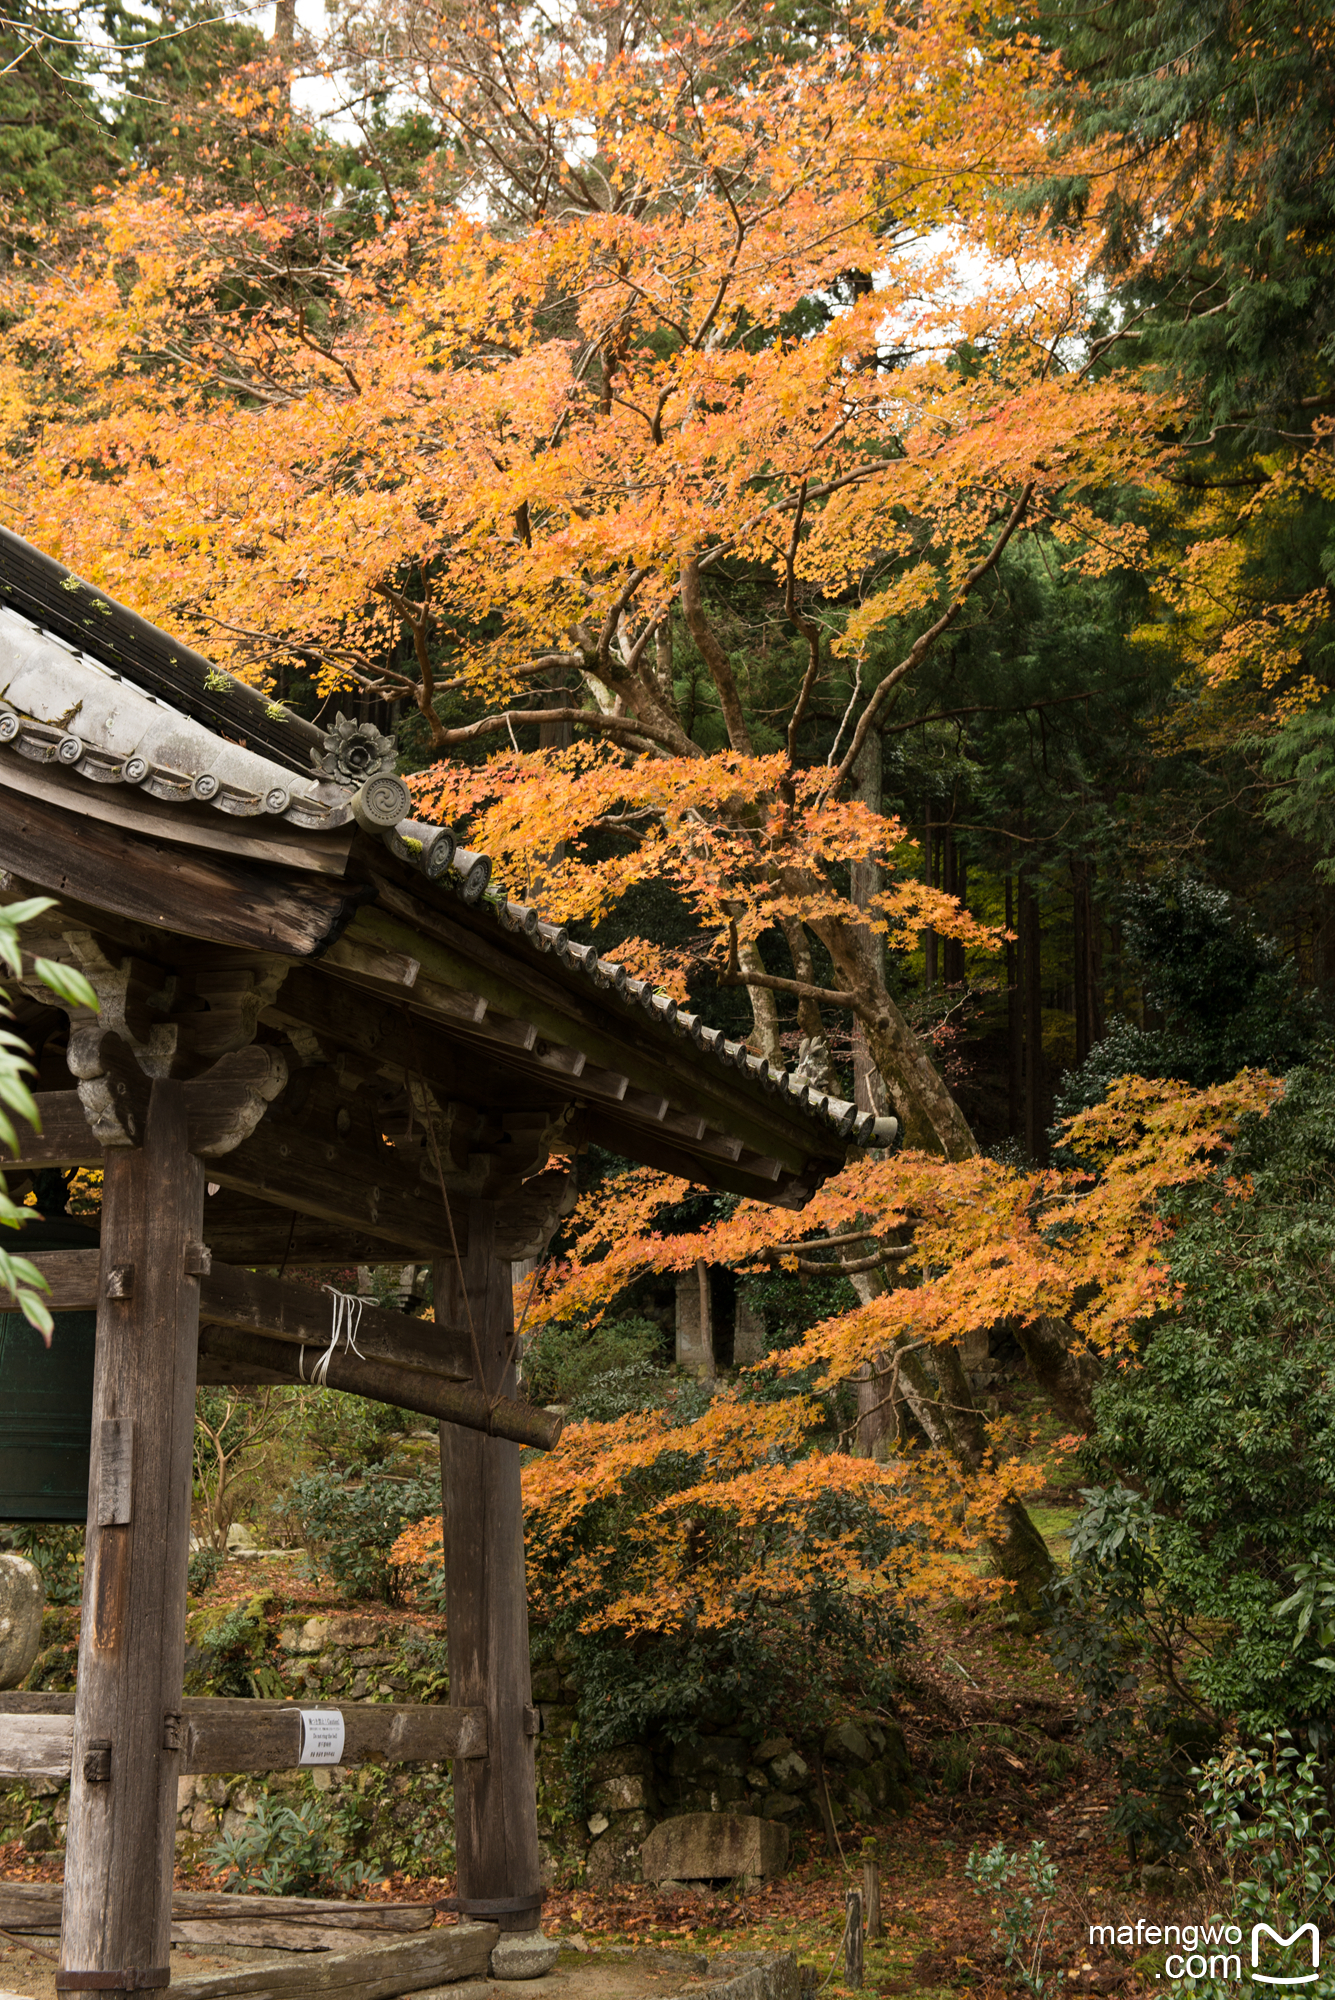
column 624, row 1761
column 712, row 1847
column 779, row 1805
column 523, row 1955
column 38, row 1838
column 615, row 1855
column 789, row 1769
column 846, row 1744
column 598, row 1823
column 240, row 1537
column 773, row 1746
column 22, row 1601
column 312, row 1637
column 711, row 1753
column 622, row 1794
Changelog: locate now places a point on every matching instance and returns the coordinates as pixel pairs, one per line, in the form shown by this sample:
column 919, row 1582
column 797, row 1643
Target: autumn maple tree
column 673, row 294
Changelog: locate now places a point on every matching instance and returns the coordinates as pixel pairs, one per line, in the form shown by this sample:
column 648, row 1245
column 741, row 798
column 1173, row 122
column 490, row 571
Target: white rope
column 346, row 1317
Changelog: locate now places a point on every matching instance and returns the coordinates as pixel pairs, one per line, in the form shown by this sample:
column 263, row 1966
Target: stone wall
column 594, row 1811
column 598, row 1817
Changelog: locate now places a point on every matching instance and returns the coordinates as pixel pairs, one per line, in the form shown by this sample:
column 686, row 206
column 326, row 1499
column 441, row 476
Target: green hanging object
column 46, row 1395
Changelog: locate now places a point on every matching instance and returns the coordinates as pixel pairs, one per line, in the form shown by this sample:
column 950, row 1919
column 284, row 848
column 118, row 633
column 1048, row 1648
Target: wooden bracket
column 115, row 1102
column 198, row 1260
column 173, row 1732
column 120, row 1281
column 97, row 1763
column 532, row 1722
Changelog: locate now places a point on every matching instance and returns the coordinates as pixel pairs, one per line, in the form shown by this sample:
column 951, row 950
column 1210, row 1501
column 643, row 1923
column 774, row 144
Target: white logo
column 1285, row 1979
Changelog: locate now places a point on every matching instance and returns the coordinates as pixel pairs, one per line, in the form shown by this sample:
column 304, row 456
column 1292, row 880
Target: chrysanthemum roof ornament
column 354, row 752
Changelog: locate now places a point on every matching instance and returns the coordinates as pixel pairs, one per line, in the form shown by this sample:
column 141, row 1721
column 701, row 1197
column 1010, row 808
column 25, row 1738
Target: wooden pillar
column 486, row 1606
column 1014, row 1022
column 116, row 1935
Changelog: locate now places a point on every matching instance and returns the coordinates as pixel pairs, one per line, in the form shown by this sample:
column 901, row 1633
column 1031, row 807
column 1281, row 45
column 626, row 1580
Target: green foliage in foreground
column 1023, row 1886
column 1264, row 1813
column 1228, row 1423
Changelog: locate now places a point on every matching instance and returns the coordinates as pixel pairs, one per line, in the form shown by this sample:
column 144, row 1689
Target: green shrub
column 563, row 1361
column 56, row 1551
column 1121, row 1630
column 1023, row 1886
column 1226, row 1422
column 291, row 1851
column 349, row 1526
column 204, row 1569
column 1265, row 1819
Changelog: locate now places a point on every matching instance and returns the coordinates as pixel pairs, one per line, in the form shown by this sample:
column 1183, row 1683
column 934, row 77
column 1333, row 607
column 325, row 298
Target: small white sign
column 321, row 1736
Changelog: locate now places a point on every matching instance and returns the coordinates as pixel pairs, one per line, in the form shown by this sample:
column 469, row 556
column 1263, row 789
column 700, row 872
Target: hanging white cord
column 346, row 1316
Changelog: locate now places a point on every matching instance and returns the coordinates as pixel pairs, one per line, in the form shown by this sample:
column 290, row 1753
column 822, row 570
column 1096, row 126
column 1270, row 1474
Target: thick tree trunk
column 1035, row 1134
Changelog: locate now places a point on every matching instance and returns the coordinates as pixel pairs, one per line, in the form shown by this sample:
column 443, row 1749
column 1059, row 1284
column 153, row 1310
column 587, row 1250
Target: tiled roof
column 114, row 722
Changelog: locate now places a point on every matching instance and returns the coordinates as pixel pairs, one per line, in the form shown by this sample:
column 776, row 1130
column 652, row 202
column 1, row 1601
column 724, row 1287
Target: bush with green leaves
column 1224, row 1417
column 55, row 1549
column 350, row 1525
column 286, row 1850
column 794, row 1656
column 1021, row 1888
column 1121, row 1632
column 1227, row 998
column 1267, row 1842
column 349, row 1433
column 564, row 1361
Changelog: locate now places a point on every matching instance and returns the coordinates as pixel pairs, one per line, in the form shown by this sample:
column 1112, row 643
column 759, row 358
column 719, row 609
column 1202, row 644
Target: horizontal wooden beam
column 433, row 1959
column 241, row 1229
column 277, row 1308
column 34, row 1908
column 37, row 1734
column 381, row 1382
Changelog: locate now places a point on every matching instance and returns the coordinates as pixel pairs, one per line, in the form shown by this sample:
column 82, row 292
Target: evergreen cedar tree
column 618, row 334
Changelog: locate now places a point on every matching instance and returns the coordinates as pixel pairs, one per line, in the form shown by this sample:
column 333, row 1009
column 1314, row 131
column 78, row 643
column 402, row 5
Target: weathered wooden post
column 495, row 1800
column 116, row 1935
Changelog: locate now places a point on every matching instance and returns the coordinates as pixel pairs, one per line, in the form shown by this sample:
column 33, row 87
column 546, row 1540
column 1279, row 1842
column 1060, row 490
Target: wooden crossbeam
column 37, row 1734
column 404, row 1388
column 274, row 1307
column 270, row 1330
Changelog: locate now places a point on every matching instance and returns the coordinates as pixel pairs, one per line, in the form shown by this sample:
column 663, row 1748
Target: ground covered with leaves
column 991, row 1729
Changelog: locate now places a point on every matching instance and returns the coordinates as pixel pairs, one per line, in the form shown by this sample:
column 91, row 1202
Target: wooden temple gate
column 322, row 1039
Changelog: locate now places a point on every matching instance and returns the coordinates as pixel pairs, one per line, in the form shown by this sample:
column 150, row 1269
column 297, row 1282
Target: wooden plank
column 301, row 1317
column 183, row 825
column 241, row 1229
column 36, row 1746
column 380, row 1197
column 254, row 1736
column 120, row 1840
column 381, row 1382
column 383, row 1971
column 35, row 1906
column 174, row 891
column 495, row 1803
